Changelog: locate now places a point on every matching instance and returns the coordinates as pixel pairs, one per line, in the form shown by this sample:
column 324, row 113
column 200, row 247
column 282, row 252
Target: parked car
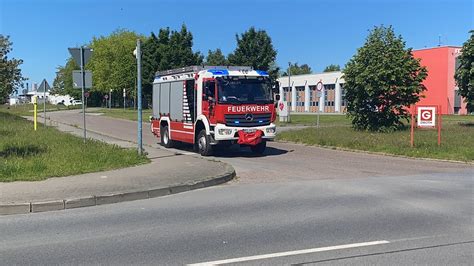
column 76, row 102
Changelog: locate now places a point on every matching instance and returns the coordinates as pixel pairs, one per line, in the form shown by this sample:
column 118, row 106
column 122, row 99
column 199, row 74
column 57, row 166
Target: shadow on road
column 246, row 152
column 233, row 151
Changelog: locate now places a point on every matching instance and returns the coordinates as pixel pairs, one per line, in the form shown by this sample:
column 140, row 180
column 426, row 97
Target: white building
column 301, row 92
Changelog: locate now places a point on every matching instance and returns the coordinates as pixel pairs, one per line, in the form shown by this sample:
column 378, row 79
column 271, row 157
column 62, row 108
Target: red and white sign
column 283, row 109
column 426, row 116
column 319, row 86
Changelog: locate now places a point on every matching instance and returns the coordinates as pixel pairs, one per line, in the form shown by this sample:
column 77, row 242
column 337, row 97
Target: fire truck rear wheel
column 259, row 148
column 203, row 144
column 165, row 137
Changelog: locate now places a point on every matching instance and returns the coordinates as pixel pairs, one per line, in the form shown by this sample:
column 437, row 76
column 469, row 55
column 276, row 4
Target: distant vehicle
column 218, row 105
column 76, row 102
column 65, row 100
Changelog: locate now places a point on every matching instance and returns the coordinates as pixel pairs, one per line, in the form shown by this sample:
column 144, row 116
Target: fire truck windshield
column 238, row 90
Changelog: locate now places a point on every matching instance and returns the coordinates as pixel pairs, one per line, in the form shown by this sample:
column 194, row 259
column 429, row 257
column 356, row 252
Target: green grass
column 36, row 155
column 457, row 138
column 129, row 114
column 27, row 109
column 310, row 120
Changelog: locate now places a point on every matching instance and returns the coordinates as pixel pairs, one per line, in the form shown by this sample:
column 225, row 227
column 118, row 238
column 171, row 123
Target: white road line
column 290, row 253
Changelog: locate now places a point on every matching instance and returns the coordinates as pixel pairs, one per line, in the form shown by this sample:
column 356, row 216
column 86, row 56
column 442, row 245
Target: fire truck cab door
column 209, row 98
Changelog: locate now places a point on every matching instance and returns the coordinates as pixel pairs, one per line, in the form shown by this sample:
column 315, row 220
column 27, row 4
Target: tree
column 179, row 51
column 295, row 69
column 382, row 80
column 255, row 49
column 10, row 73
column 151, row 59
column 170, row 49
column 62, row 83
column 216, row 58
column 465, row 73
column 113, row 64
column 332, row 67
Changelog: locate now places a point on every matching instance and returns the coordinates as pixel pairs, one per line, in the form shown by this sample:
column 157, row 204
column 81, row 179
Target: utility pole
column 139, row 95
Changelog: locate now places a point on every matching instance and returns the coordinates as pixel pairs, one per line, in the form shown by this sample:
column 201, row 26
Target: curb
column 54, row 205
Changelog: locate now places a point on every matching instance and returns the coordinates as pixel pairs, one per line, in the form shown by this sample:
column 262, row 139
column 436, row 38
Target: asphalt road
column 426, row 219
column 297, row 205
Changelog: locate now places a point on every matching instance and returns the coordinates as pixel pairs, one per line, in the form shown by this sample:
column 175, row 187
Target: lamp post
column 138, row 54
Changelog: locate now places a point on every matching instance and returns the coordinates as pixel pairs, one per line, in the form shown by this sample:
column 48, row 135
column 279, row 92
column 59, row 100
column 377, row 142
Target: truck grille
column 241, row 120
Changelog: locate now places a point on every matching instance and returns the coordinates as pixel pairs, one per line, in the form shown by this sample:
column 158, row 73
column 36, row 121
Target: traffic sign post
column 35, row 114
column 319, row 89
column 427, row 117
column 81, row 56
column 45, row 87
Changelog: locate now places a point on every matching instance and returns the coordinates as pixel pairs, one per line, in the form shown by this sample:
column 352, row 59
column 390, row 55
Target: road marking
column 290, row 253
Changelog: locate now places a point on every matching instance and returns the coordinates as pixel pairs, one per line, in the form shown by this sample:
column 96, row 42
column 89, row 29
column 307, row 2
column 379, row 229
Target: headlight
column 271, row 130
column 224, row 131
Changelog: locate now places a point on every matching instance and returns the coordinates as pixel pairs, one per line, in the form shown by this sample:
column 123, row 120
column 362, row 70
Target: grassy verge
column 27, row 109
column 310, row 120
column 36, row 155
column 457, row 138
column 129, row 114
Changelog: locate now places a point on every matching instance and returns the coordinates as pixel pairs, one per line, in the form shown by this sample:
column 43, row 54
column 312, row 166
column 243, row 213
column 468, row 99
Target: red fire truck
column 214, row 105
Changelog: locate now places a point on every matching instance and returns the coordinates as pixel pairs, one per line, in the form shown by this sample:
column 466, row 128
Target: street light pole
column 139, row 95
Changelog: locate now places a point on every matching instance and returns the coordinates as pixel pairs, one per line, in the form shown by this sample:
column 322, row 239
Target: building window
column 326, row 103
column 299, row 95
column 329, row 87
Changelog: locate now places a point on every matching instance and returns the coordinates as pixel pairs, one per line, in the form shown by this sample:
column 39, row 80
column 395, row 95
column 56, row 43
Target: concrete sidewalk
column 167, row 173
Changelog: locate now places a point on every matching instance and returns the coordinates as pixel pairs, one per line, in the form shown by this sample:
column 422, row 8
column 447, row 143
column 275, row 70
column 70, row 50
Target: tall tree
column 10, row 72
column 62, row 83
column 295, row 69
column 382, row 80
column 465, row 72
column 170, row 49
column 255, row 49
column 332, row 67
column 151, row 59
column 179, row 51
column 216, row 58
column 113, row 64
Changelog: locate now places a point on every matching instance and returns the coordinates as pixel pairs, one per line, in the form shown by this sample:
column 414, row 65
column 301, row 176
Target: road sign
column 44, row 86
column 77, row 79
column 283, row 111
column 76, row 54
column 319, row 86
column 82, row 55
column 86, row 94
column 426, row 116
column 106, row 96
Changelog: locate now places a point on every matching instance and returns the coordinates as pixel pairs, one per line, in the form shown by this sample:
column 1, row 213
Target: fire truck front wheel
column 165, row 137
column 203, row 145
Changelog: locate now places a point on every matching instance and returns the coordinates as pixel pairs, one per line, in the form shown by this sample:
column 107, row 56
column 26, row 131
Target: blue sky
column 318, row 33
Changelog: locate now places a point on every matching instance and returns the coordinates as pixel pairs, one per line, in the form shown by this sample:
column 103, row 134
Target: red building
column 440, row 84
